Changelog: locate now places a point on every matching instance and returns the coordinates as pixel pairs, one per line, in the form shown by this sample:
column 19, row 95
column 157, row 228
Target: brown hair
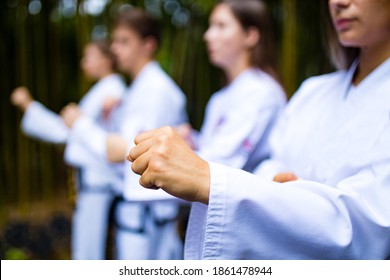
column 141, row 22
column 254, row 14
column 341, row 57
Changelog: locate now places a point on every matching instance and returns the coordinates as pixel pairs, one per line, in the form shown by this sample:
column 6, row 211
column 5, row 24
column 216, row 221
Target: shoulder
column 118, row 79
column 160, row 82
column 113, row 80
column 258, row 85
column 110, row 85
column 330, row 79
column 316, row 86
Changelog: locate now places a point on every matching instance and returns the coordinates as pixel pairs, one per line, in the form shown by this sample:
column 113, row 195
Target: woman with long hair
column 239, row 117
column 333, row 136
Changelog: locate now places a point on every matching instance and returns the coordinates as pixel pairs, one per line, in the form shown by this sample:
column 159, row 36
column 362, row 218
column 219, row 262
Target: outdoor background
column 41, row 44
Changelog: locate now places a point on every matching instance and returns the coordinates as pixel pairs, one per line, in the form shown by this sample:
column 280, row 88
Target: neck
column 369, row 59
column 106, row 73
column 138, row 67
column 236, row 68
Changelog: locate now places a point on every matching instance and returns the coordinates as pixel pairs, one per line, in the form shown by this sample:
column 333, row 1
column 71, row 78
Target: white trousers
column 147, row 232
column 90, row 224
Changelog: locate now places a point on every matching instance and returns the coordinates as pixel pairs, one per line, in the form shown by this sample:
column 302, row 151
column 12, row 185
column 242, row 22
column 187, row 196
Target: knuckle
column 163, row 141
column 161, row 151
column 156, row 166
column 131, row 155
column 168, row 131
column 135, row 168
column 142, row 181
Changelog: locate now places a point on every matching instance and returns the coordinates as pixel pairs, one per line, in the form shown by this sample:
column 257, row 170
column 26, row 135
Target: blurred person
column 330, row 148
column 239, row 116
column 95, row 183
column 145, row 229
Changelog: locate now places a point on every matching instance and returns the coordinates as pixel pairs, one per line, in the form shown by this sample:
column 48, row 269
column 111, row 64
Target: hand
column 185, row 131
column 109, row 105
column 70, row 114
column 21, row 98
column 165, row 161
column 285, row 177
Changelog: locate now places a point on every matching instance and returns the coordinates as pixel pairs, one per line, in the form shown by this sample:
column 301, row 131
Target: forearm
column 41, row 123
column 87, row 134
column 304, row 219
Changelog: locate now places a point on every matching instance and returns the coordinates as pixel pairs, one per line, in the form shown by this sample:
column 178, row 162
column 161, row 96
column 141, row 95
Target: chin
column 348, row 44
column 348, row 41
column 217, row 63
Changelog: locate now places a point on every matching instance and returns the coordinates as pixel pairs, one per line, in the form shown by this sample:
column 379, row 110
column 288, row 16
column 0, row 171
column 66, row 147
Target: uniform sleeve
column 235, row 139
column 252, row 218
column 86, row 140
column 77, row 155
column 43, row 124
column 269, row 168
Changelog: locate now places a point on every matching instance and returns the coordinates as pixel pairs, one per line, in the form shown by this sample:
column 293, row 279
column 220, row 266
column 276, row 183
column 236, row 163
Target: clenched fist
column 165, row 161
column 21, row 98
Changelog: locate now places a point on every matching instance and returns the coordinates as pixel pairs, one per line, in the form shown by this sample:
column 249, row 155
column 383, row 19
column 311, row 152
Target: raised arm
column 38, row 121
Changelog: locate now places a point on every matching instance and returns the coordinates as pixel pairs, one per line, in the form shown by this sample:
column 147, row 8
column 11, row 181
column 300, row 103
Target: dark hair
column 341, row 57
column 254, row 14
column 141, row 22
column 104, row 47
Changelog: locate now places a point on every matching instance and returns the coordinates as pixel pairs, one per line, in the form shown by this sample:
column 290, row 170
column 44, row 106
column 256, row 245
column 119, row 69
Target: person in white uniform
column 333, row 138
column 239, row 117
column 95, row 182
column 146, row 229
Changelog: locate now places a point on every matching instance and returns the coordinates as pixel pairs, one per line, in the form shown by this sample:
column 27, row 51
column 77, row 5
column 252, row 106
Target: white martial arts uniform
column 89, row 228
column 335, row 137
column 146, row 228
column 40, row 123
column 238, row 120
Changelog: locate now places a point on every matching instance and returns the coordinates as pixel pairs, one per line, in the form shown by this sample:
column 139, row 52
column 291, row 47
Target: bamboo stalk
column 23, row 154
column 289, row 46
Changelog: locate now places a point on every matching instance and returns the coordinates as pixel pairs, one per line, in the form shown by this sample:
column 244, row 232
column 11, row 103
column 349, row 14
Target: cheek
column 128, row 54
column 232, row 47
column 86, row 66
column 233, row 39
column 383, row 23
column 100, row 64
column 227, row 36
column 95, row 62
column 120, row 52
column 89, row 71
column 135, row 50
column 124, row 56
